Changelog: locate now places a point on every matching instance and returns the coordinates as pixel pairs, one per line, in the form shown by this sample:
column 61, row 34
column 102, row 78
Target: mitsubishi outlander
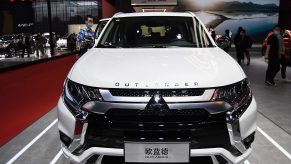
column 155, row 88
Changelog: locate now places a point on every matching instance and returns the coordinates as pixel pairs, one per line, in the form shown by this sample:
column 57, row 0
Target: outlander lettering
column 193, row 84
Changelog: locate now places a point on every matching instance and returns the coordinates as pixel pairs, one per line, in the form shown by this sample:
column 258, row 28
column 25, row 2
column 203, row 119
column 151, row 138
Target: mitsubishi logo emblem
column 157, row 98
column 157, row 103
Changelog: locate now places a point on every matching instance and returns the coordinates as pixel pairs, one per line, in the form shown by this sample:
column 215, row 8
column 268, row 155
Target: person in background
column 57, row 36
column 227, row 37
column 246, row 43
column 69, row 43
column 237, row 42
column 74, row 40
column 40, row 41
column 19, row 41
column 284, row 56
column 26, row 45
column 210, row 29
column 54, row 43
column 84, row 34
column 213, row 35
column 273, row 56
column 227, row 33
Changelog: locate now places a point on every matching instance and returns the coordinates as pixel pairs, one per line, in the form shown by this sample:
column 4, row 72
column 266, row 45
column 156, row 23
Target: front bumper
column 68, row 125
column 120, row 152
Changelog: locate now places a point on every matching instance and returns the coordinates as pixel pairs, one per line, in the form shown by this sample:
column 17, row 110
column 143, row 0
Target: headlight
column 238, row 95
column 76, row 95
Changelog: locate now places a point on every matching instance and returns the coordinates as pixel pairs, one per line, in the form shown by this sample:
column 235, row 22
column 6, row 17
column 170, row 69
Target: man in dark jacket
column 245, row 43
column 272, row 56
column 237, row 42
column 40, row 42
column 26, row 45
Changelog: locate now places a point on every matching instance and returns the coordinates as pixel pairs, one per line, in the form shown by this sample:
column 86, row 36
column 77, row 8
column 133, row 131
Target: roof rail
column 190, row 12
column 154, row 10
column 116, row 14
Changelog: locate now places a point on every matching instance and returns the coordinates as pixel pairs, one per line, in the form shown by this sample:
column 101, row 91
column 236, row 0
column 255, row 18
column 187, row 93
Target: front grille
column 156, row 116
column 211, row 133
column 151, row 92
column 116, row 127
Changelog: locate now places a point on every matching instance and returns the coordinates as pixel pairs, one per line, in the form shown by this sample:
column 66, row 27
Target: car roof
column 138, row 14
column 104, row 19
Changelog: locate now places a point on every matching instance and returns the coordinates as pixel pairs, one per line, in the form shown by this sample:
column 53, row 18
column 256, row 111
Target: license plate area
column 157, row 152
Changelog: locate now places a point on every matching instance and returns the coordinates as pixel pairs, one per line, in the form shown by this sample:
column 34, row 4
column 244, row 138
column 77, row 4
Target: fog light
column 65, row 139
column 249, row 140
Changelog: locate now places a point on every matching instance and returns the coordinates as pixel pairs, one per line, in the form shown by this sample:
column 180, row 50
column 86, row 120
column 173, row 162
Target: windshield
column 100, row 27
column 154, row 32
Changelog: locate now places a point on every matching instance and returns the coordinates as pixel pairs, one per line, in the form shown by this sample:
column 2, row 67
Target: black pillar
column 50, row 27
column 285, row 14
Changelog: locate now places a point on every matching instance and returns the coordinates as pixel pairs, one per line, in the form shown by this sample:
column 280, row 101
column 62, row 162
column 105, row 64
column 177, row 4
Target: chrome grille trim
column 103, row 107
column 206, row 96
column 151, row 92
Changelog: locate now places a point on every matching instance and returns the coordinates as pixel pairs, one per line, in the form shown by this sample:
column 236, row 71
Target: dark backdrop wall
column 64, row 12
column 22, row 16
column 285, row 13
column 16, row 17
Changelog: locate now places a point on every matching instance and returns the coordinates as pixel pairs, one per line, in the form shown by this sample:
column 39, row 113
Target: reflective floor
column 6, row 62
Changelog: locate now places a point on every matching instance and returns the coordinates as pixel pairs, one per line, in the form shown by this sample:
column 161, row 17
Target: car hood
column 156, row 68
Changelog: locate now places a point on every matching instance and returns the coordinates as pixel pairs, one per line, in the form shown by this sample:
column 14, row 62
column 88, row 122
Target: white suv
column 156, row 89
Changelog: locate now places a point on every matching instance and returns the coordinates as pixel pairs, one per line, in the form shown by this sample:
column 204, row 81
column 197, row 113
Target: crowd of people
column 24, row 42
column 241, row 41
column 40, row 42
column 242, row 44
column 274, row 55
column 28, row 45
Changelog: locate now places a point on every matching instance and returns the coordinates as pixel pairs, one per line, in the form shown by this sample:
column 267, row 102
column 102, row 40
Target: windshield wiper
column 159, row 46
column 107, row 45
column 152, row 46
